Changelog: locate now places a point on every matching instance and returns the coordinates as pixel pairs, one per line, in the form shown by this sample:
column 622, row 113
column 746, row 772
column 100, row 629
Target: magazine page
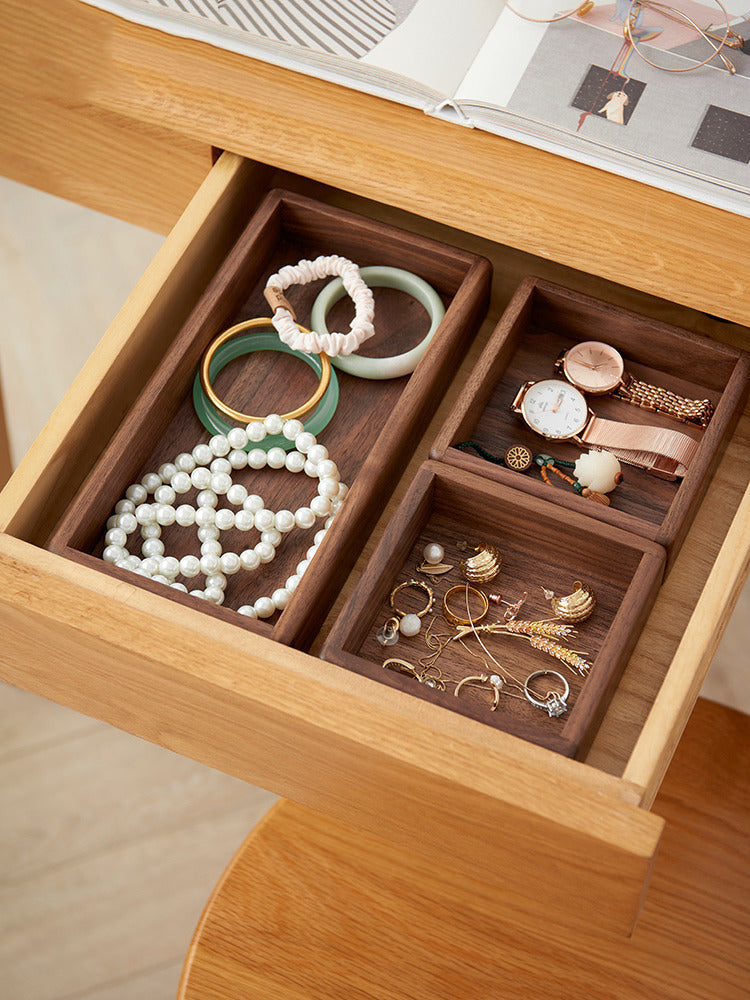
column 577, row 86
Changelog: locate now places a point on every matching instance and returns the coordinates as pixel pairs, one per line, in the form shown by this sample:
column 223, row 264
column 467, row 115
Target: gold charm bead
column 483, row 566
column 575, row 607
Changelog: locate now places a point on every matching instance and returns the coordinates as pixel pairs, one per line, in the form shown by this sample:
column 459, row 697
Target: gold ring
column 412, row 583
column 453, row 619
column 246, row 418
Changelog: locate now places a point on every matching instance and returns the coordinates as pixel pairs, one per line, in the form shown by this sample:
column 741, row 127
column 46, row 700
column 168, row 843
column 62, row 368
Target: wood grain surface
column 305, row 910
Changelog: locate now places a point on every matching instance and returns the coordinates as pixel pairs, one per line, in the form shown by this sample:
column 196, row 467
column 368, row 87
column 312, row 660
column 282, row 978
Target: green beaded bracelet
column 381, row 277
column 249, row 343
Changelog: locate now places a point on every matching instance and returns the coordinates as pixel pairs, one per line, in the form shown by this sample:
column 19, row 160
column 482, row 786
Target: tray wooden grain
column 542, row 546
column 371, row 437
column 543, row 320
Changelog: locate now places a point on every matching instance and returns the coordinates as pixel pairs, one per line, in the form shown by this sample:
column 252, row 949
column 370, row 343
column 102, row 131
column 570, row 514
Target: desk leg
column 312, row 910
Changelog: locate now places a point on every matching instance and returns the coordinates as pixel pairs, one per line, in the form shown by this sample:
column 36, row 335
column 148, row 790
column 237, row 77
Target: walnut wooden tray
column 543, row 546
column 543, row 320
column 372, row 434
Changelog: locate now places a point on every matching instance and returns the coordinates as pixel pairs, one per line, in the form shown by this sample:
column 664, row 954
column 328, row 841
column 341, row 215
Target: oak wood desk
column 128, row 121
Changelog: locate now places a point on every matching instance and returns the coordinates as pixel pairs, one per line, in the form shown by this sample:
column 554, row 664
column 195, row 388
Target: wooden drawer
column 545, row 834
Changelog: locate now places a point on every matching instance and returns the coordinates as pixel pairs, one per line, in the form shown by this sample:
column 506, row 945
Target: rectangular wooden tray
column 543, row 320
column 542, row 546
column 371, row 436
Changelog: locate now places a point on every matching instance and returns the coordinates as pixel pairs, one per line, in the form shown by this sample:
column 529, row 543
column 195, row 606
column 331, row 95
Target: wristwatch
column 599, row 369
column 559, row 412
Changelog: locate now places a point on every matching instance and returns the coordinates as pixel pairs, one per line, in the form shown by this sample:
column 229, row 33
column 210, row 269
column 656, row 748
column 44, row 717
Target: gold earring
column 575, row 607
column 495, row 681
column 483, row 566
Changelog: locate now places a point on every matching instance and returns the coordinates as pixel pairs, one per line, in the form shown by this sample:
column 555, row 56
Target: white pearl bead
column 254, row 503
column 264, row 607
column 281, row 598
column 292, row 583
column 158, row 578
column 205, row 516
column 317, row 453
column 128, row 522
column 225, row 519
column 180, row 482
column 124, row 507
column 145, row 513
column 249, row 559
column 200, row 478
column 153, row 547
column 179, row 586
column 276, row 458
column 237, row 437
column 433, row 553
column 166, row 514
column 236, row 495
column 328, row 470
column 211, row 547
column 256, row 458
column 271, row 537
column 248, row 610
column 151, row 531
column 284, row 521
column 220, row 465
column 244, row 520
column 150, row 566
column 319, row 536
column 295, row 461
column 221, row 482
column 166, row 471
column 311, row 552
column 304, row 517
column 136, row 493
column 410, row 625
column 169, row 567
column 273, row 424
column 301, row 567
column 255, row 431
column 210, row 564
column 151, row 481
column 133, row 562
column 320, row 506
column 213, row 595
column 328, row 488
column 264, row 519
column 230, row 563
column 217, row 580
column 113, row 522
column 113, row 553
column 292, row 429
column 207, row 498
column 164, row 494
column 185, row 462
column 207, row 531
column 304, row 441
column 265, row 551
column 343, row 492
column 219, row 445
column 185, row 515
column 116, row 536
column 199, row 594
column 237, row 459
column 311, row 469
column 202, row 454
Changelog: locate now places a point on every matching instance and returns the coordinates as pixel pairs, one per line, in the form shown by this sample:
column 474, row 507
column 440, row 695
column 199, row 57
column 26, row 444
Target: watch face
column 554, row 409
column 593, row 367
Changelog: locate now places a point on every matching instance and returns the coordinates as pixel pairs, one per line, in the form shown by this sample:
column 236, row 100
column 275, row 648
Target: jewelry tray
column 542, row 545
column 371, row 436
column 541, row 321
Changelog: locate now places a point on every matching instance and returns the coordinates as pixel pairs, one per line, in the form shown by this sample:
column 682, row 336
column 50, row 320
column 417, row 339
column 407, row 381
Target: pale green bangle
column 381, row 277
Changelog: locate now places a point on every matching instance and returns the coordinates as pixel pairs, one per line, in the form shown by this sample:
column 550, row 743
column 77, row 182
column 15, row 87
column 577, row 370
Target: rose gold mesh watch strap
column 659, row 400
column 645, row 447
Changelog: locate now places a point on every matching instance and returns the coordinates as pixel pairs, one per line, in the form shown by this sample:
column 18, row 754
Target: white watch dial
column 554, row 409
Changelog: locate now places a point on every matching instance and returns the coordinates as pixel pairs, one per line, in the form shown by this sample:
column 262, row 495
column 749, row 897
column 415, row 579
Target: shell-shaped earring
column 483, row 566
column 575, row 607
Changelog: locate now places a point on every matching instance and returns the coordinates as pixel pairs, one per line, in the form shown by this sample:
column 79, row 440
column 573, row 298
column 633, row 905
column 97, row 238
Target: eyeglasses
column 663, row 36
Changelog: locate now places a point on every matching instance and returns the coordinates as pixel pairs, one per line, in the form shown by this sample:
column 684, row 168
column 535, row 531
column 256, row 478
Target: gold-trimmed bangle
column 245, row 418
column 465, row 588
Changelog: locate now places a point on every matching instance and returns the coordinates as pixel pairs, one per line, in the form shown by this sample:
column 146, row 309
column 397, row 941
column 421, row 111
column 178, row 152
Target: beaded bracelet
column 310, row 270
column 249, row 343
column 382, row 277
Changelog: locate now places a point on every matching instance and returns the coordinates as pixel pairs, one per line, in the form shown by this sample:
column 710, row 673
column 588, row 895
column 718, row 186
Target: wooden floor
column 108, row 846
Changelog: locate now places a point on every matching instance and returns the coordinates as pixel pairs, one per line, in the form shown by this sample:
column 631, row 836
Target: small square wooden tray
column 542, row 546
column 542, row 321
column 371, row 436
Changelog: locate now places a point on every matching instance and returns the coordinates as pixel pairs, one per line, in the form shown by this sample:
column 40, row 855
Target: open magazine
column 574, row 87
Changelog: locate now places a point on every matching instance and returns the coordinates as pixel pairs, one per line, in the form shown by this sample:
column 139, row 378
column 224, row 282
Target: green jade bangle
column 381, row 277
column 249, row 343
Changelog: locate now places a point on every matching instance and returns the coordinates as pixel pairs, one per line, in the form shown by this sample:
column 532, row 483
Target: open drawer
column 549, row 835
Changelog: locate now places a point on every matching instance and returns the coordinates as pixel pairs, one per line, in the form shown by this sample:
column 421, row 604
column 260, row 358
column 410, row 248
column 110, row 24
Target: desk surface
column 123, row 118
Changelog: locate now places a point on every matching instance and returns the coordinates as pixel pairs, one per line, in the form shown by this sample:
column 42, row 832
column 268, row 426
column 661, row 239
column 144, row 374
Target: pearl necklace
column 208, row 469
